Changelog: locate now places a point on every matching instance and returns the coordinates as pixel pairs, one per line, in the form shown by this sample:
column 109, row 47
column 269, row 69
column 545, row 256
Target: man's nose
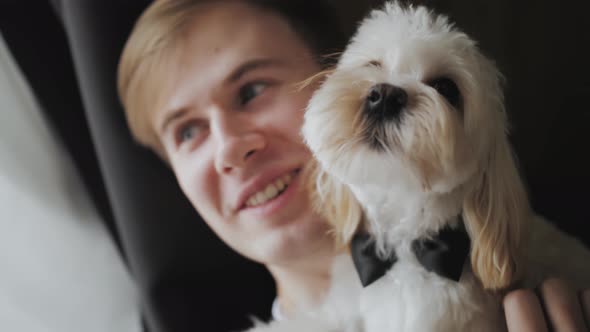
column 237, row 146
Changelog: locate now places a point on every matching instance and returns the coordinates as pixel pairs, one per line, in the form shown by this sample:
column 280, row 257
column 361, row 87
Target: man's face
column 231, row 129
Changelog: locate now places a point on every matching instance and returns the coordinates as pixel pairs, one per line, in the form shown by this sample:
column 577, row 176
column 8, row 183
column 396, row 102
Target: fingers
column 585, row 301
column 524, row 312
column 562, row 306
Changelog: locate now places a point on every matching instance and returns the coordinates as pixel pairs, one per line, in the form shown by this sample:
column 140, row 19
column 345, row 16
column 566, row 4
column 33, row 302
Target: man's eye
column 188, row 132
column 250, row 91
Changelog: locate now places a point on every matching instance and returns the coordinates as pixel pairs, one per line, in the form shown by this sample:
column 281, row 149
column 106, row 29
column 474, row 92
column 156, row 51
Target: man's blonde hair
column 153, row 46
column 142, row 68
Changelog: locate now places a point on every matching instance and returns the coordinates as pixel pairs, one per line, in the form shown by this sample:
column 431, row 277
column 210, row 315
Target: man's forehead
column 213, row 48
column 232, row 21
column 222, row 25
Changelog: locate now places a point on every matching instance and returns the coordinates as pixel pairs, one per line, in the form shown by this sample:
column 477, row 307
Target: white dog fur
column 411, row 175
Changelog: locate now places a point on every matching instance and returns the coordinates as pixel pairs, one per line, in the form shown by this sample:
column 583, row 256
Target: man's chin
column 288, row 246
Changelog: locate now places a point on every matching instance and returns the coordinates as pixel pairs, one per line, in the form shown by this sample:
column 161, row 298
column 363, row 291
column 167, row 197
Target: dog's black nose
column 385, row 101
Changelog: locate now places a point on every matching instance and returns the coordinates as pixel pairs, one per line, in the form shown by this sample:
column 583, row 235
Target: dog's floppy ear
column 335, row 202
column 496, row 213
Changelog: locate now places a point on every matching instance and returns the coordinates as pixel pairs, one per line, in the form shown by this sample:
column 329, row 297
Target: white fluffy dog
column 412, row 122
column 411, row 125
column 410, row 134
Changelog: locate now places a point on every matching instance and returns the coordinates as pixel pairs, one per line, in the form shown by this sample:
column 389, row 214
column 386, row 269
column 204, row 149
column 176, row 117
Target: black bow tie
column 444, row 254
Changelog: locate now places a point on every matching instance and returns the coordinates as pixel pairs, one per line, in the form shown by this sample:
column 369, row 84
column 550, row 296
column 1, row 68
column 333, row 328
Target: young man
column 211, row 86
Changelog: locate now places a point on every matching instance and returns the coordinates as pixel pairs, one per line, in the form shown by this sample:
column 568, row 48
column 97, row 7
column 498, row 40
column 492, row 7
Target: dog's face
column 412, row 100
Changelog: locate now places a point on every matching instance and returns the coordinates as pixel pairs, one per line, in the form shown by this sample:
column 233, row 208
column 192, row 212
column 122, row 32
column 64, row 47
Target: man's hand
column 554, row 307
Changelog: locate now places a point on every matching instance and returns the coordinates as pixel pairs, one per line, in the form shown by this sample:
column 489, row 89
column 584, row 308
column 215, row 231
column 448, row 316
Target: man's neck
column 303, row 284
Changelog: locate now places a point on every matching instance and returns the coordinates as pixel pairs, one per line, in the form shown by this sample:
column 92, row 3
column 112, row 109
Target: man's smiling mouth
column 272, row 190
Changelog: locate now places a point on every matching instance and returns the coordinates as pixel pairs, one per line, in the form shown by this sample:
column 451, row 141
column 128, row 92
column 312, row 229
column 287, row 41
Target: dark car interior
column 189, row 280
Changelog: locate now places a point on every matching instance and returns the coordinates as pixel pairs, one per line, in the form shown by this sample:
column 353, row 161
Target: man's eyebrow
column 172, row 117
column 251, row 65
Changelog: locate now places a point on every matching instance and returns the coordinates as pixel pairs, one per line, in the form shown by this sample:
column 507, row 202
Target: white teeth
column 260, row 197
column 287, row 178
column 280, row 184
column 252, row 201
column 271, row 191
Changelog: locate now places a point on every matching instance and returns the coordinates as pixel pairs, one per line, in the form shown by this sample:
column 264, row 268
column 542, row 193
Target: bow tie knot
column 444, row 254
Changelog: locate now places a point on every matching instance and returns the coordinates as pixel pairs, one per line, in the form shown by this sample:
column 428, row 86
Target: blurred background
column 96, row 236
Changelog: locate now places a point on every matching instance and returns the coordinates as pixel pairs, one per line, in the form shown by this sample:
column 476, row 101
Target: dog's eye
column 374, row 63
column 448, row 89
